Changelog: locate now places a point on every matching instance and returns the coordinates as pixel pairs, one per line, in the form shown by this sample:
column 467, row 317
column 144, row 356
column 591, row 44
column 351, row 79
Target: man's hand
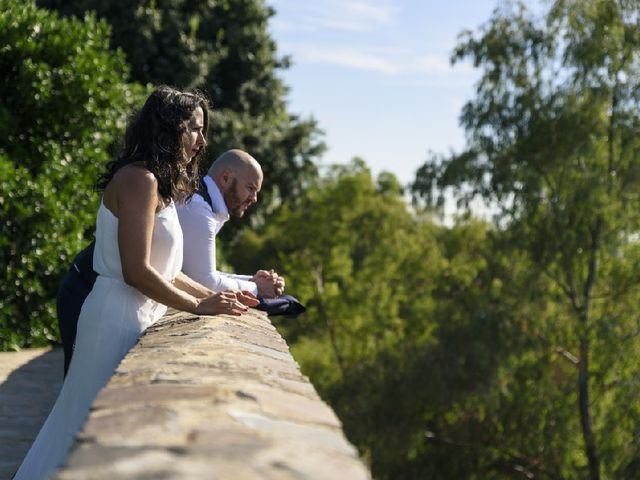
column 269, row 283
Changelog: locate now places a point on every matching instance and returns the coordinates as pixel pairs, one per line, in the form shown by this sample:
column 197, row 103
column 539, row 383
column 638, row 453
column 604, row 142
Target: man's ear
column 226, row 177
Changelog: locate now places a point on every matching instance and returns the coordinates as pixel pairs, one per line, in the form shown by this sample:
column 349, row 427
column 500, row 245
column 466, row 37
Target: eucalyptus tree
column 553, row 136
column 393, row 300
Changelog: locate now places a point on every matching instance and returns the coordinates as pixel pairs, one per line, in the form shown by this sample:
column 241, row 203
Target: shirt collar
column 219, row 207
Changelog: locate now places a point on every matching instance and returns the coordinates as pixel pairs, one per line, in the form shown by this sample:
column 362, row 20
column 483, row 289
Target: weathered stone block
column 213, row 398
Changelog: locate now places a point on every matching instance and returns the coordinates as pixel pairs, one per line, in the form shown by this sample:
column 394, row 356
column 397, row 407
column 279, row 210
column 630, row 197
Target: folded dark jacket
column 284, row 305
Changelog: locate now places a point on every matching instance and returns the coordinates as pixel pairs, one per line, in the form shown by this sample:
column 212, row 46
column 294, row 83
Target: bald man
column 229, row 188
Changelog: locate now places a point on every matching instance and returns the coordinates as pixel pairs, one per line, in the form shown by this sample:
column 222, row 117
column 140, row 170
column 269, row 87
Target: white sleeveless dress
column 112, row 319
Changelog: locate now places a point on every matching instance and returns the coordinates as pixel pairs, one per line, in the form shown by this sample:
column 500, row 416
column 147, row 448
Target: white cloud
column 348, row 57
column 356, row 34
column 341, row 23
column 343, row 15
column 370, row 11
column 285, row 26
column 431, row 64
column 386, row 61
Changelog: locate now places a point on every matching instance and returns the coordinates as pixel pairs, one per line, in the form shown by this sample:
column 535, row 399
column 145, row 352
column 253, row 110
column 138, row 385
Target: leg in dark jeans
column 71, row 295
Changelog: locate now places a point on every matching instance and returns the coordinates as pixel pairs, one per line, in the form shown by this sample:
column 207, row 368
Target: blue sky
column 377, row 77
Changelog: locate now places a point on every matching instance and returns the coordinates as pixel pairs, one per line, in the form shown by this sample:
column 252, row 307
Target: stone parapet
column 211, row 398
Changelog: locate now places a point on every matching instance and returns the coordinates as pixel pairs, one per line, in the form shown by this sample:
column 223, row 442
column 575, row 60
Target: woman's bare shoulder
column 135, row 177
column 131, row 185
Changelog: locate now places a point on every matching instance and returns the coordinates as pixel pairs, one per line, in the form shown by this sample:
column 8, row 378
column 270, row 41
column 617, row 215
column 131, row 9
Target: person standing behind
column 138, row 258
column 230, row 187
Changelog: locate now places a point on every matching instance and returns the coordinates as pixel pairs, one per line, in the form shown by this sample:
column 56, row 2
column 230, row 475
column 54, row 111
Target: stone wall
column 211, row 398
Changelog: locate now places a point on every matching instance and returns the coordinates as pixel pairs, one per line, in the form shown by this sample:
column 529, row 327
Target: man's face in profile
column 242, row 192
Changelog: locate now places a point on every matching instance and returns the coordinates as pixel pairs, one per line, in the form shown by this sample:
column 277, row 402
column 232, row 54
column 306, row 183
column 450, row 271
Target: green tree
column 63, row 102
column 553, row 136
column 442, row 350
column 459, row 403
column 421, row 337
column 224, row 49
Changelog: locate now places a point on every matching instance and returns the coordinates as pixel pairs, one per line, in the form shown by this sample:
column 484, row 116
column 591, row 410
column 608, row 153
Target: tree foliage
column 477, row 351
column 222, row 47
column 553, row 139
column 63, row 101
column 419, row 335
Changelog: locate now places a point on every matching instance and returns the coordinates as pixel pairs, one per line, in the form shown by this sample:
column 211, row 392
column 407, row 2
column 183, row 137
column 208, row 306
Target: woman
column 138, row 256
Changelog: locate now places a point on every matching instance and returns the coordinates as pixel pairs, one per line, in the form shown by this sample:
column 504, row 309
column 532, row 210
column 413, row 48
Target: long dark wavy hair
column 154, row 138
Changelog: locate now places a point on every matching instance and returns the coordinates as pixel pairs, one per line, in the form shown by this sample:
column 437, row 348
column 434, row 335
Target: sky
column 377, row 77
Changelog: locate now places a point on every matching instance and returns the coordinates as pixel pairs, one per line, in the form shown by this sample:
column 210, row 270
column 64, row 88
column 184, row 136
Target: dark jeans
column 71, row 295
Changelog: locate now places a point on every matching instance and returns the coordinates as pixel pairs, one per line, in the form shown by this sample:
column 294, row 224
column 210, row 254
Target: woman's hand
column 226, row 302
column 246, row 298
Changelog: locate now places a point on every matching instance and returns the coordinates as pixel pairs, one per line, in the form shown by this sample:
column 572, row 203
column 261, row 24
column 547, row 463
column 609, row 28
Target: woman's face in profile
column 193, row 139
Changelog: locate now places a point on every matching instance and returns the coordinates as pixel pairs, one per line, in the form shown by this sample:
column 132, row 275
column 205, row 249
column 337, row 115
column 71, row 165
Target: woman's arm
column 132, row 197
column 192, row 287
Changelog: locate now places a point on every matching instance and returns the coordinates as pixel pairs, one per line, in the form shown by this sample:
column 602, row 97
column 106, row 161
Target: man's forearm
column 242, row 282
column 237, row 276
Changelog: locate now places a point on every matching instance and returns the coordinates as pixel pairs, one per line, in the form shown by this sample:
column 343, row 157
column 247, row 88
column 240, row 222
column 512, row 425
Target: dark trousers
column 71, row 295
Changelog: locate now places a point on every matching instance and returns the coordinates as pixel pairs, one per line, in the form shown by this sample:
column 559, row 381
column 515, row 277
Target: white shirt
column 200, row 226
